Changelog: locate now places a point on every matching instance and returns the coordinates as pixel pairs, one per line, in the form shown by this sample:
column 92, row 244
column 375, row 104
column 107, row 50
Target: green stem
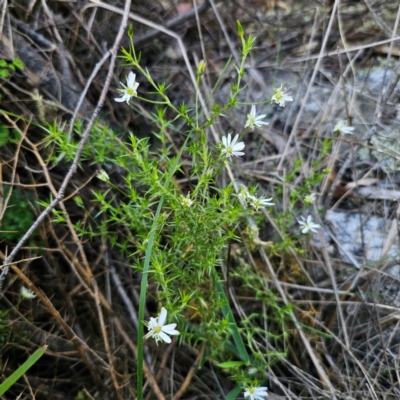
column 145, row 275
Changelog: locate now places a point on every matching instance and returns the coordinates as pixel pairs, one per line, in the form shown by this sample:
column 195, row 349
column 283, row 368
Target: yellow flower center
column 130, row 91
column 157, row 329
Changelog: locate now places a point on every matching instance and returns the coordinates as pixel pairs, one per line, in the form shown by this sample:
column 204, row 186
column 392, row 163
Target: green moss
column 18, row 217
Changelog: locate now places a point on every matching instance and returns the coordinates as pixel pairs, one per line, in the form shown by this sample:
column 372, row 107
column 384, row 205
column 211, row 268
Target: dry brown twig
column 378, row 113
column 81, row 346
column 190, row 374
column 147, row 371
column 292, row 136
column 85, row 137
column 13, row 173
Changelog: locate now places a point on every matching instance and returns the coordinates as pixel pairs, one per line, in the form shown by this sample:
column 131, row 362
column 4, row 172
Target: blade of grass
column 233, row 393
column 21, row 370
column 226, row 310
column 145, row 275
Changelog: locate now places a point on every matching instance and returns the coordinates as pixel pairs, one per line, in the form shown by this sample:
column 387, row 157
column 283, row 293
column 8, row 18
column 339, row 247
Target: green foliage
column 176, row 236
column 99, row 149
column 18, row 217
column 22, row 370
column 6, row 67
column 8, row 135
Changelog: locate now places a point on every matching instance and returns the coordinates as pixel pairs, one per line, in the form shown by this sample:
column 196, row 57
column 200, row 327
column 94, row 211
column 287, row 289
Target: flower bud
column 239, row 28
column 201, row 67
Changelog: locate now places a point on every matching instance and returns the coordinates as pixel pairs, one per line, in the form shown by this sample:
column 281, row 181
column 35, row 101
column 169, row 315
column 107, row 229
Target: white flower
column 308, row 225
column 231, row 147
column 281, row 96
column 258, row 202
column 256, row 393
column 186, row 201
column 158, row 330
column 129, row 90
column 342, row 127
column 103, row 176
column 310, row 198
column 255, row 120
column 27, row 293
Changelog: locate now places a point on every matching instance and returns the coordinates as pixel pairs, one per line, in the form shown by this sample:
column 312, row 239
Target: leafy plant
column 176, row 235
column 8, row 135
column 6, row 67
column 18, row 217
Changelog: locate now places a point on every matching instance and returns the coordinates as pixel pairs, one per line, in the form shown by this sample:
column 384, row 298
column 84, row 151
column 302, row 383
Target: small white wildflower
column 342, row 127
column 232, row 147
column 129, row 90
column 308, row 225
column 281, row 96
column 255, row 120
column 310, row 198
column 256, row 393
column 103, row 176
column 159, row 331
column 258, row 202
column 27, row 293
column 186, row 201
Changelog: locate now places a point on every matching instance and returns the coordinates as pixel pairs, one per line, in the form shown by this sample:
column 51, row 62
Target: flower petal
column 131, row 79
column 165, row 337
column 169, row 327
column 173, row 333
column 238, row 146
column 152, row 323
column 235, row 139
column 162, row 317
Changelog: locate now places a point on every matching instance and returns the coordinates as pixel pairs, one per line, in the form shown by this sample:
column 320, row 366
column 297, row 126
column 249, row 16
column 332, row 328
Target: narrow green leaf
column 130, row 31
column 239, row 28
column 15, row 137
column 233, row 393
column 231, row 364
column 226, row 310
column 145, row 275
column 21, row 370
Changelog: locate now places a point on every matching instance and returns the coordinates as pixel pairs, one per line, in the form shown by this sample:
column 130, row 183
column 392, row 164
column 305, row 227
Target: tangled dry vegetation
column 346, row 305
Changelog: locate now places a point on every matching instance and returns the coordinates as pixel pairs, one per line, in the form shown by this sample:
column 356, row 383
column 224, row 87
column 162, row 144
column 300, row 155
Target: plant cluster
column 165, row 210
column 177, row 234
column 7, row 66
